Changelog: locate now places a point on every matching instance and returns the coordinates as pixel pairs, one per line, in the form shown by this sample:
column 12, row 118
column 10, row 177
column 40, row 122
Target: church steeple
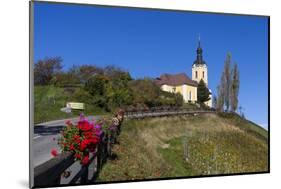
column 199, row 51
column 199, row 67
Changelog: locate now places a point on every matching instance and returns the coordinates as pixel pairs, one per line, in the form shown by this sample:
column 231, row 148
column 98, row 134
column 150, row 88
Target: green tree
column 178, row 99
column 234, row 90
column 221, row 96
column 96, row 85
column 118, row 77
column 228, row 89
column 226, row 83
column 121, row 97
column 68, row 78
column 202, row 92
column 118, row 93
column 145, row 91
column 87, row 71
column 220, row 99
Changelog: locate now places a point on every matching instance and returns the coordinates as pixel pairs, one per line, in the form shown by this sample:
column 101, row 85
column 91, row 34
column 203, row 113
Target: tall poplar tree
column 234, row 90
column 227, row 81
column 221, row 97
column 228, row 89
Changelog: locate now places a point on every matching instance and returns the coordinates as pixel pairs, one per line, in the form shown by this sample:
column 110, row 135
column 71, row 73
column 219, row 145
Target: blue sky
column 153, row 42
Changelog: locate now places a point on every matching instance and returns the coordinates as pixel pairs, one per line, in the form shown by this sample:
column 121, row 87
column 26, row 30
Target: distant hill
column 216, row 144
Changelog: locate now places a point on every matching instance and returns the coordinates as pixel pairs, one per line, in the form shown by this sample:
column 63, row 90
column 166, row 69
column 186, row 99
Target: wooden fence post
column 84, row 176
column 99, row 156
column 108, row 146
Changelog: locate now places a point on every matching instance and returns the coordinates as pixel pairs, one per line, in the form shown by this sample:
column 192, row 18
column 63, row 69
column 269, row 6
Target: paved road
column 45, row 138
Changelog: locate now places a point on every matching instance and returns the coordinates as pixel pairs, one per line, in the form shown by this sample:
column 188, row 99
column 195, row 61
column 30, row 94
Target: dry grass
column 154, row 148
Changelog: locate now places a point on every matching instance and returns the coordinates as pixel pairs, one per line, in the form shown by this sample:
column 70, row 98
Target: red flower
column 88, row 134
column 71, row 147
column 80, row 140
column 84, row 125
column 85, row 160
column 94, row 140
column 77, row 141
column 54, row 152
column 84, row 144
column 77, row 156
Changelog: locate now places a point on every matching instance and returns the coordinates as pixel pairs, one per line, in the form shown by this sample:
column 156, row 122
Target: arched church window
column 196, row 75
column 203, row 74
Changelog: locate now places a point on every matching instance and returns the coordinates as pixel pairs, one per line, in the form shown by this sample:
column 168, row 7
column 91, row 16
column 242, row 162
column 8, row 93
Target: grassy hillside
column 216, row 144
column 48, row 101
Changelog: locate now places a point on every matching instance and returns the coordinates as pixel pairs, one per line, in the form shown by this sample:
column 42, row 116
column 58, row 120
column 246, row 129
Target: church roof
column 175, row 80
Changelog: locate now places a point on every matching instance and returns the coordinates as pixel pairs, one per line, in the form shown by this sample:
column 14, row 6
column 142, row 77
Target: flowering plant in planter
column 81, row 139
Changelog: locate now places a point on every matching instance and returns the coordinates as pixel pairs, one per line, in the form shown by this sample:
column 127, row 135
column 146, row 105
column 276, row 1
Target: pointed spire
column 199, row 51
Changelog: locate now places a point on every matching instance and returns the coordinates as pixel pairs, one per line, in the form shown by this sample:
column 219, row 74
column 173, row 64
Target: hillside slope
column 48, row 101
column 216, row 144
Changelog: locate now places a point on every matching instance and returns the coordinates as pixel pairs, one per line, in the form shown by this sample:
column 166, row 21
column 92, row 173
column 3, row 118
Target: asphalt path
column 46, row 136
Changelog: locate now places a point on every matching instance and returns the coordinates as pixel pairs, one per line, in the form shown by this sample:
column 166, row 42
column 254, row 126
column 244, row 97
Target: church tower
column 199, row 67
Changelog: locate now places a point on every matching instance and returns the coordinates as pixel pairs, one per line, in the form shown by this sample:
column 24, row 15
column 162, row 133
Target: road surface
column 45, row 138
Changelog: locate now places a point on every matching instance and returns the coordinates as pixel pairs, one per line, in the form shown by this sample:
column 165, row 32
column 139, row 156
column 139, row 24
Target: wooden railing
column 54, row 172
column 161, row 112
